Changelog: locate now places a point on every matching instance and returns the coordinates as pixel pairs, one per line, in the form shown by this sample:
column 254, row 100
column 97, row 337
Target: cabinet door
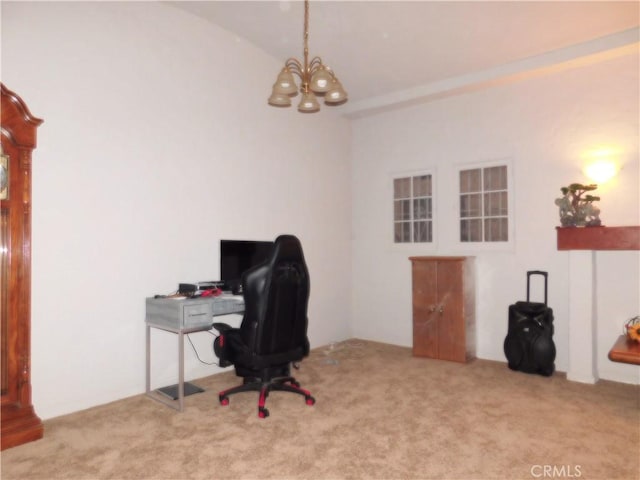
column 425, row 313
column 451, row 325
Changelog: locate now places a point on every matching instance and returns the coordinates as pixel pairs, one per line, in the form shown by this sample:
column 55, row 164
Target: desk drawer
column 179, row 314
column 196, row 315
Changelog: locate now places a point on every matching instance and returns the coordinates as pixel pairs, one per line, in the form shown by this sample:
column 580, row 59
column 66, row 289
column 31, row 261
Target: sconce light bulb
column 601, row 171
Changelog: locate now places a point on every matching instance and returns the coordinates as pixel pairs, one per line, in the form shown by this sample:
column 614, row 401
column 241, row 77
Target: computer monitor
column 237, row 256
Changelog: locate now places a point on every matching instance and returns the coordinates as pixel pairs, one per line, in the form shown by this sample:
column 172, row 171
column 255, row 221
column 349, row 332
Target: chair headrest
column 287, row 248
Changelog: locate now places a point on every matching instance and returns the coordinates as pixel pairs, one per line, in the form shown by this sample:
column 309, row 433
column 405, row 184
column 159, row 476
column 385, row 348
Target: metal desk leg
column 179, row 404
column 148, row 366
column 181, row 371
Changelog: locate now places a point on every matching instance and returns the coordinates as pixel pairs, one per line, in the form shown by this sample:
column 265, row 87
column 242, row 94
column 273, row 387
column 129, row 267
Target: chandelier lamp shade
column 316, row 80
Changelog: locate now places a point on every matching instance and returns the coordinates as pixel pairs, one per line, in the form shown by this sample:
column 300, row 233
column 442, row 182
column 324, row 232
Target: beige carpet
column 380, row 414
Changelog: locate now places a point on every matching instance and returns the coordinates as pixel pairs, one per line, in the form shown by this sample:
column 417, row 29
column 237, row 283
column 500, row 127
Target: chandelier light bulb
column 335, row 94
column 285, row 84
column 308, row 103
column 321, row 80
column 279, row 100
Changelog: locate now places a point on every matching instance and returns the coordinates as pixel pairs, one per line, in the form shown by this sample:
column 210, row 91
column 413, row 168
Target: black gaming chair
column 273, row 332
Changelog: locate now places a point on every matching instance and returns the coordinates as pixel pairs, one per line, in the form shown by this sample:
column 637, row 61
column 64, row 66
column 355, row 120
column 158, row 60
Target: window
column 484, row 209
column 412, row 209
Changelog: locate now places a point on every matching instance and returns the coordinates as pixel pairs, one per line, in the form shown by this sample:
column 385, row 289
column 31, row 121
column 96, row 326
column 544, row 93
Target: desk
column 183, row 316
column 625, row 350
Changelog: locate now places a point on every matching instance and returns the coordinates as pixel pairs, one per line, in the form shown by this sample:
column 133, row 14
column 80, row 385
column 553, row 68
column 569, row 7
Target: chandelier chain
column 306, row 34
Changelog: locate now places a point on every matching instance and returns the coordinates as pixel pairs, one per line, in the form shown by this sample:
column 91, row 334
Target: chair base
column 283, row 384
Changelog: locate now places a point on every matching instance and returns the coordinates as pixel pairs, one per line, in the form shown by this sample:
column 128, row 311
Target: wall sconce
column 600, row 165
column 601, row 171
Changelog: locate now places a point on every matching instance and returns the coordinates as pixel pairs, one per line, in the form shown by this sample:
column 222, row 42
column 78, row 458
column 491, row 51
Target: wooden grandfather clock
column 18, row 422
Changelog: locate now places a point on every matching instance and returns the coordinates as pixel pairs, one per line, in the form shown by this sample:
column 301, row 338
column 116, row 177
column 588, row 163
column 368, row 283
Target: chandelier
column 315, row 79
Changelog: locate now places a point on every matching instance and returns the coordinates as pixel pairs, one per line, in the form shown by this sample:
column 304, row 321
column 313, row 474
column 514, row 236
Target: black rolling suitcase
column 529, row 343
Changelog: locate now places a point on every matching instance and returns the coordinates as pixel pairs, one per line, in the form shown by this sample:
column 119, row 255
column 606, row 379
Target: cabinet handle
column 432, row 308
column 441, row 309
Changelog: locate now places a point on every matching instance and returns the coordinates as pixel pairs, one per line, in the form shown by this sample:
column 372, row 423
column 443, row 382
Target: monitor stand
column 172, row 390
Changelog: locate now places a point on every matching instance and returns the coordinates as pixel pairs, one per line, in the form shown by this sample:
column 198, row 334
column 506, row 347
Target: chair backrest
column 276, row 295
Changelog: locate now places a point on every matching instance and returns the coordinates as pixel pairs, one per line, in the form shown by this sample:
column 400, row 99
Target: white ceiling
column 379, row 47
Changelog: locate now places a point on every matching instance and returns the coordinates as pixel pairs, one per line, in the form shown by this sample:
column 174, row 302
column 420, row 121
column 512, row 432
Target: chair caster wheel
column 263, row 412
column 310, row 400
column 224, row 400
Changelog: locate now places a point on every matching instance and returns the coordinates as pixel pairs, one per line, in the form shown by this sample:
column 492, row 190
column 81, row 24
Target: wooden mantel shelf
column 625, row 351
column 599, row 238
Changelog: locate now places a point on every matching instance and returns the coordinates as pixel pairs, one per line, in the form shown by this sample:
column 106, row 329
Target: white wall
column 544, row 125
column 157, row 142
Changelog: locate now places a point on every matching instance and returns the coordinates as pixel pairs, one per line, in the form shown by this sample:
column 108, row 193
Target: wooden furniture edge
column 599, row 238
column 625, row 350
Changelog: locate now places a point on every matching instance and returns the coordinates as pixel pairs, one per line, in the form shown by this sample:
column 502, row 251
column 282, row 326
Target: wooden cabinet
column 18, row 421
column 443, row 307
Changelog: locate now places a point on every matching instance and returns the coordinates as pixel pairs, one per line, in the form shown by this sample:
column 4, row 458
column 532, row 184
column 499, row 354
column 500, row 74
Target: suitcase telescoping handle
column 537, row 272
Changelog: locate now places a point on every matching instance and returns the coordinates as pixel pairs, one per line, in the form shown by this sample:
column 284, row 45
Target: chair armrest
column 222, row 327
column 220, row 347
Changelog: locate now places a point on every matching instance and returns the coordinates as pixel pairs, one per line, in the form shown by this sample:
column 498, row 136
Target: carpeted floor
column 380, row 414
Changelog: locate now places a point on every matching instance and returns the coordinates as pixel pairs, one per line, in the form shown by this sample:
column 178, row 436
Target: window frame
column 411, row 175
column 484, row 245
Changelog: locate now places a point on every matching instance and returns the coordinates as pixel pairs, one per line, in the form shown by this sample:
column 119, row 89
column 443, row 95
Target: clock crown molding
column 15, row 112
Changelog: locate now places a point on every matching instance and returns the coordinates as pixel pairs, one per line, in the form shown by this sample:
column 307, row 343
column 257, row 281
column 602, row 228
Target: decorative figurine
column 576, row 210
column 632, row 328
